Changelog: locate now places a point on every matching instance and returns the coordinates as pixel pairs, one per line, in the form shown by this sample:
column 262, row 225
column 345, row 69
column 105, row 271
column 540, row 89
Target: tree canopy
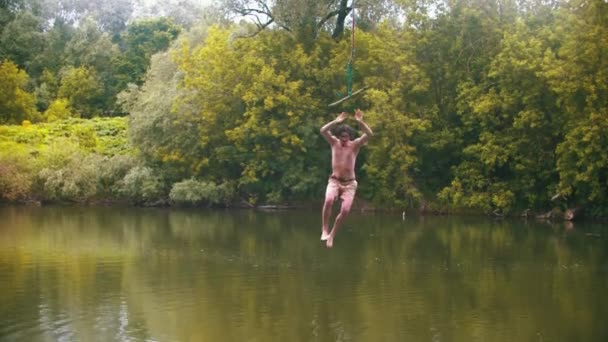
column 498, row 106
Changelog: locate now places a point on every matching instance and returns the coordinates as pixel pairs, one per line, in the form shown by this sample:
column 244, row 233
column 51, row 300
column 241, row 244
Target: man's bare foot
column 324, row 235
column 330, row 242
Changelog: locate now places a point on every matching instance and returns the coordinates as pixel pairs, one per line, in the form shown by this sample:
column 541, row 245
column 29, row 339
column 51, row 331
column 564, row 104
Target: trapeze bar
column 347, row 97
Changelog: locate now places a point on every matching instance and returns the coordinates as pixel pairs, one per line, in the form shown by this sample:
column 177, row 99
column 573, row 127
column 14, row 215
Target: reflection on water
column 111, row 274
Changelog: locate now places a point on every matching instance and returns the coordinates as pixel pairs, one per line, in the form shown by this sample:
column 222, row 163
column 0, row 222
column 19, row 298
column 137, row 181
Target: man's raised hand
column 358, row 115
column 341, row 117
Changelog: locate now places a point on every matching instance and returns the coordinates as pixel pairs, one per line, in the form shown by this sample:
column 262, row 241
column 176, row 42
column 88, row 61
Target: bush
column 194, row 192
column 111, row 172
column 70, row 174
column 76, row 181
column 86, row 137
column 58, row 110
column 15, row 172
column 141, row 185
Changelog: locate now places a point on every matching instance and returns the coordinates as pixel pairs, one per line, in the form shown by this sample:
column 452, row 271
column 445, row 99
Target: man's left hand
column 358, row 115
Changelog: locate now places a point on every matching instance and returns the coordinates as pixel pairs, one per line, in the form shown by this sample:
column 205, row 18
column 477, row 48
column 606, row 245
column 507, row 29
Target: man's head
column 345, row 133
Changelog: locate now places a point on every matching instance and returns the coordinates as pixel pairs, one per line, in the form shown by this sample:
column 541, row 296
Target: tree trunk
column 342, row 13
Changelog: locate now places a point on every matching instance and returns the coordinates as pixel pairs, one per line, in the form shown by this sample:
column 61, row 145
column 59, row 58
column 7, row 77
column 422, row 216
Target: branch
column 263, row 4
column 251, row 11
column 256, row 13
column 331, row 15
column 260, row 27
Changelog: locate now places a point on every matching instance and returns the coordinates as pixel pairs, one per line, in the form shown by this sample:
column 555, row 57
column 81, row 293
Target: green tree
column 306, row 19
column 141, row 40
column 16, row 104
column 8, row 9
column 514, row 115
column 46, row 92
column 58, row 110
column 89, row 47
column 185, row 13
column 234, row 111
column 387, row 58
column 455, row 48
column 256, row 115
column 22, row 40
column 82, row 88
column 55, row 53
column 112, row 15
column 154, row 127
column 577, row 71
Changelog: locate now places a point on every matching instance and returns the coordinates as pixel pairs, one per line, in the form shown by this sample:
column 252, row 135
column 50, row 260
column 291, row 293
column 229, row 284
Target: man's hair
column 345, row 128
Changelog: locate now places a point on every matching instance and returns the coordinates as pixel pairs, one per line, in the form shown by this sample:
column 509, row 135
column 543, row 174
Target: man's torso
column 343, row 160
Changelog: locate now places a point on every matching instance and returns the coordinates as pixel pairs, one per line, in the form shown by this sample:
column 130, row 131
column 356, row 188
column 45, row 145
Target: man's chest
column 344, row 152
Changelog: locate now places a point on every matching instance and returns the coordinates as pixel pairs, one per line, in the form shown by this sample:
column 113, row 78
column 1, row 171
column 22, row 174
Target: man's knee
column 344, row 211
column 345, row 208
column 329, row 201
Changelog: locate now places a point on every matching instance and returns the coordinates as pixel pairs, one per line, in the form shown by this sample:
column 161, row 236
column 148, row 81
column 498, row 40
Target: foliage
column 109, row 134
column 194, row 192
column 70, row 176
column 510, row 158
column 185, row 13
column 46, row 92
column 576, row 72
column 491, row 105
column 21, row 40
column 141, row 40
column 307, row 20
column 67, row 160
column 82, row 88
column 153, row 126
column 255, row 116
column 397, row 116
column 192, row 128
column 111, row 171
column 15, row 172
column 142, row 185
column 58, row 110
column 16, row 104
column 583, row 163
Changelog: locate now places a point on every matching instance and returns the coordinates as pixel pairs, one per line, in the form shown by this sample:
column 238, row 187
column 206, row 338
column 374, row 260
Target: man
column 342, row 182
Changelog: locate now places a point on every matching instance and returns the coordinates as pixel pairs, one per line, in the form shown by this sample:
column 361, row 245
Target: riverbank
column 359, row 205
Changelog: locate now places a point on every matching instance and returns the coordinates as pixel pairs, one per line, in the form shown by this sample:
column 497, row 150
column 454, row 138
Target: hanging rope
column 349, row 66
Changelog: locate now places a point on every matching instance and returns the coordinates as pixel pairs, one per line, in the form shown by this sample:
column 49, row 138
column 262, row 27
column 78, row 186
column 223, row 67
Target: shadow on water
column 80, row 273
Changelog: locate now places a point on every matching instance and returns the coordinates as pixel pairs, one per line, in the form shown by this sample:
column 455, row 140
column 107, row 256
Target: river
column 150, row 274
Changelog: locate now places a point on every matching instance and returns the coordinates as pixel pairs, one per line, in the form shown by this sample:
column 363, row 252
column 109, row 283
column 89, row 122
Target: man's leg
column 348, row 196
column 331, row 193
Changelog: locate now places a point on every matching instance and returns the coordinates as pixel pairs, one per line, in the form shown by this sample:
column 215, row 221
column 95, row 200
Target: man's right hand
column 341, row 117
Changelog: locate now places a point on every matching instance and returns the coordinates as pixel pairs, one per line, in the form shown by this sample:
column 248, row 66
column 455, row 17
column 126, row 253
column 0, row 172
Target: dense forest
column 493, row 106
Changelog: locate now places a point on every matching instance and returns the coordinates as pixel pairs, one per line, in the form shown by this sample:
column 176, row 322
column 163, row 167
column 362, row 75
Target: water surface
column 113, row 274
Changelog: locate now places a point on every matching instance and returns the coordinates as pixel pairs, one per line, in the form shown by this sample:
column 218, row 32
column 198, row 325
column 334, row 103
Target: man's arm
column 326, row 130
column 367, row 132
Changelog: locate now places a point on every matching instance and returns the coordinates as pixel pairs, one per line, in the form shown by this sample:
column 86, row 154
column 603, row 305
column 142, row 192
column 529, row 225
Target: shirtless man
column 342, row 182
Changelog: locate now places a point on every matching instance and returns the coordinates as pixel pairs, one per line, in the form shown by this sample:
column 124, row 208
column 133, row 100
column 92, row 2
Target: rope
column 349, row 78
column 352, row 40
column 349, row 66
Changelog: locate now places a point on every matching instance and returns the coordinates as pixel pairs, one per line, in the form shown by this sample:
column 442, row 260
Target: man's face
column 344, row 137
